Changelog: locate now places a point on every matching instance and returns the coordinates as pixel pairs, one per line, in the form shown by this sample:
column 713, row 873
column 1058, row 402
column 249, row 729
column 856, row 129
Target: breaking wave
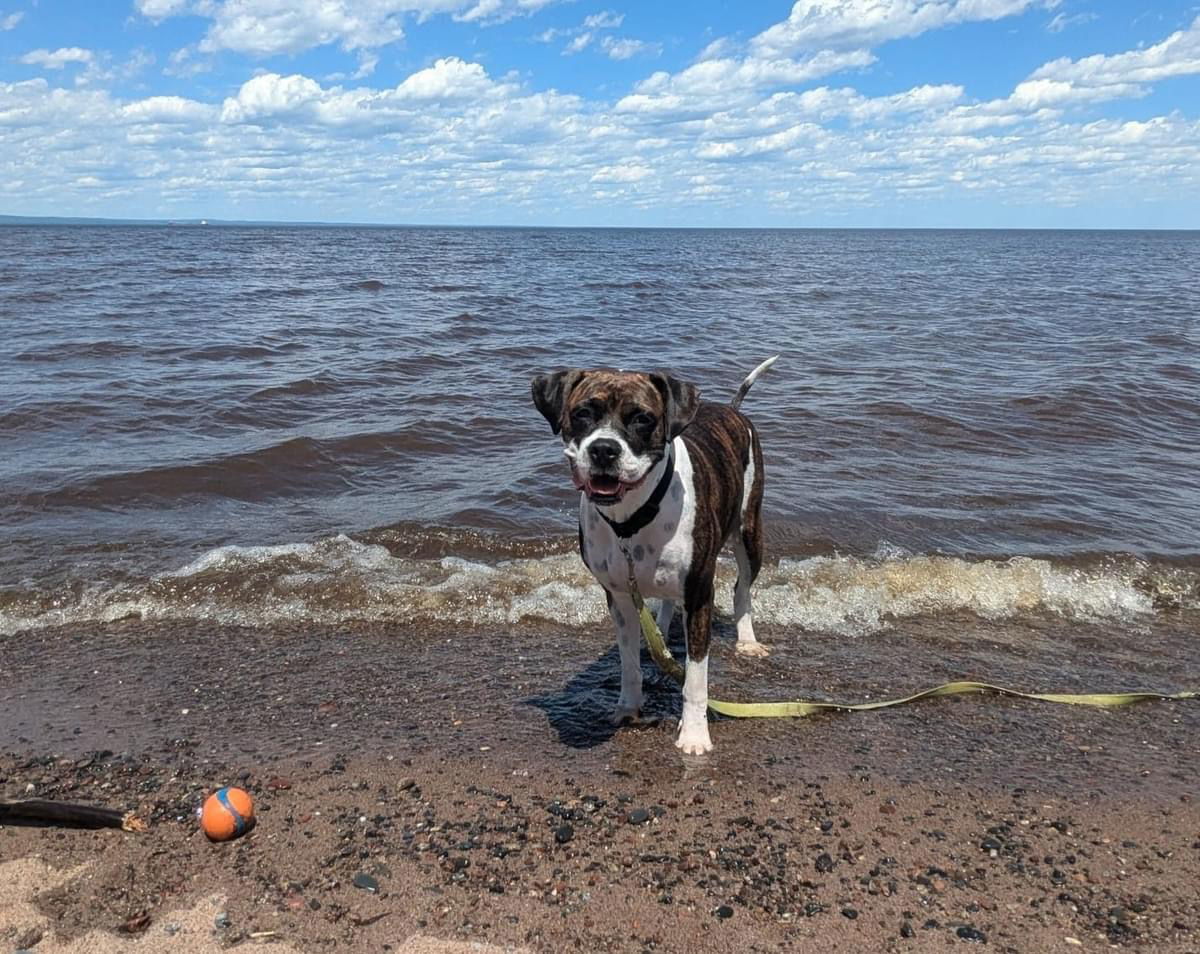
column 340, row 579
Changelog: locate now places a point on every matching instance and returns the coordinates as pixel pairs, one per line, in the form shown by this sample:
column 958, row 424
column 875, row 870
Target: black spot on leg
column 619, row 617
column 639, row 552
column 676, row 491
column 603, row 567
column 669, row 527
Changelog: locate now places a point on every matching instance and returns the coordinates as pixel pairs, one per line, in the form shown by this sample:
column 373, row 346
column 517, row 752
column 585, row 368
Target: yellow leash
column 759, row 710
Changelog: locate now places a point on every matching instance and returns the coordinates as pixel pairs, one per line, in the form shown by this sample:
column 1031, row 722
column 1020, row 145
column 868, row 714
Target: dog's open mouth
column 604, row 488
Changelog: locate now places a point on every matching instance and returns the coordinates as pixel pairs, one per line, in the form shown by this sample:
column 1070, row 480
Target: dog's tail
column 749, row 382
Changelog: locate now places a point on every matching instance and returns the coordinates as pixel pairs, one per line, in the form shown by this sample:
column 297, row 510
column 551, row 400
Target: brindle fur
column 616, row 429
column 715, row 435
column 718, row 436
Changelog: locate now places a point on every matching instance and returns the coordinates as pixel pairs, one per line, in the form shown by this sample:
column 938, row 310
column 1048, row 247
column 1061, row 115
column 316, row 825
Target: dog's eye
column 581, row 416
column 643, row 421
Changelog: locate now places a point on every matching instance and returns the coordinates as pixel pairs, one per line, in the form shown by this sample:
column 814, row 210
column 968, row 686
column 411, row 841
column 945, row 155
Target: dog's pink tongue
column 605, row 485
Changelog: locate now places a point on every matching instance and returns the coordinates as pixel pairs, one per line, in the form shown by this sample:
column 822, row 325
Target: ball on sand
column 227, row 813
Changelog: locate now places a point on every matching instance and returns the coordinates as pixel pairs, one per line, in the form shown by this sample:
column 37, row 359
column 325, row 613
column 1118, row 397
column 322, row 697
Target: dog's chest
column 661, row 552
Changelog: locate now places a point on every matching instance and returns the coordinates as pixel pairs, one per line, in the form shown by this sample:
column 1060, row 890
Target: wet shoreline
column 470, row 774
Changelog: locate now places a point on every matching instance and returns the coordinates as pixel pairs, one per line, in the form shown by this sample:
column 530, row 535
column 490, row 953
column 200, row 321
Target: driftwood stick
column 63, row 813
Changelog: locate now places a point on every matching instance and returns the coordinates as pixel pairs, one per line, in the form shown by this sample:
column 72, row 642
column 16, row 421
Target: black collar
column 645, row 514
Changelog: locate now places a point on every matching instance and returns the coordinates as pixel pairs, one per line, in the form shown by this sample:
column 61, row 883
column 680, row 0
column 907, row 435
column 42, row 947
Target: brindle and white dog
column 665, row 479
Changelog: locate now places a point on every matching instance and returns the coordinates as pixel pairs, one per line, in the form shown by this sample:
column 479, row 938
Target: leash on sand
column 766, row 710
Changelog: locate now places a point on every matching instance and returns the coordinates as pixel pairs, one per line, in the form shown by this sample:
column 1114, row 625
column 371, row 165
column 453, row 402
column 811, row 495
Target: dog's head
column 616, row 425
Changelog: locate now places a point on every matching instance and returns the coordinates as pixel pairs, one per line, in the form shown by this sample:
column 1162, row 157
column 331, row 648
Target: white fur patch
column 693, row 726
column 661, row 552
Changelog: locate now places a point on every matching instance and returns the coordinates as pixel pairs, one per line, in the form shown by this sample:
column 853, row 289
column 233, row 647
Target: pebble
column 221, row 922
column 724, row 912
column 639, row 816
column 907, row 930
column 824, row 863
column 850, row 913
column 968, row 933
column 366, row 882
column 563, row 834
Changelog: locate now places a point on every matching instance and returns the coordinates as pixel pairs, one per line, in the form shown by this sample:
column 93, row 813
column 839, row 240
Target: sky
column 855, row 113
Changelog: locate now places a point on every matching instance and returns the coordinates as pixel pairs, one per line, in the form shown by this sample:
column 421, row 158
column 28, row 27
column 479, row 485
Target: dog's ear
column 680, row 403
column 550, row 393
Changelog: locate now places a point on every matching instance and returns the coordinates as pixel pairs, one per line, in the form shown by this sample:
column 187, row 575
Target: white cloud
column 168, row 109
column 448, row 79
column 1061, row 21
column 624, row 172
column 442, row 91
column 711, row 85
column 57, row 59
column 820, row 24
column 271, row 27
column 624, row 48
column 161, row 9
column 604, row 21
column 11, row 21
column 579, row 43
column 1114, row 76
column 616, row 48
column 271, row 95
column 738, row 133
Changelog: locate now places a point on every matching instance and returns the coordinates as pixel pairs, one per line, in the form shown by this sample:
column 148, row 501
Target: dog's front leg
column 629, row 642
column 693, row 727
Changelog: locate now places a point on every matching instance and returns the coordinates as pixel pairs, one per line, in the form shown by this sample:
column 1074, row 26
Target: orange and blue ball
column 227, row 813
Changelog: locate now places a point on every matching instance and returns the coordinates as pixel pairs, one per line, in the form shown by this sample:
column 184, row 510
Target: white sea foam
column 339, row 579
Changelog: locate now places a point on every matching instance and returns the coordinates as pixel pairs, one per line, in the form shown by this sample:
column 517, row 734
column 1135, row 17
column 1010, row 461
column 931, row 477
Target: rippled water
column 167, row 394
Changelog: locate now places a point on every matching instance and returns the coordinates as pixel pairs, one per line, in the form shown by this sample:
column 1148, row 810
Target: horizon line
column 10, row 220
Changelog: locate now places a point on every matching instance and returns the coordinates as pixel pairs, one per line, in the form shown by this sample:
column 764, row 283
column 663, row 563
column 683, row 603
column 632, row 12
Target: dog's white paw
column 748, row 648
column 694, row 741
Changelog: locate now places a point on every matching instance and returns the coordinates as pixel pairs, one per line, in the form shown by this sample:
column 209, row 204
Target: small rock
column 968, row 933
column 724, row 912
column 850, row 913
column 907, row 930
column 824, row 863
column 29, row 938
column 366, row 882
column 221, row 922
column 639, row 816
column 563, row 834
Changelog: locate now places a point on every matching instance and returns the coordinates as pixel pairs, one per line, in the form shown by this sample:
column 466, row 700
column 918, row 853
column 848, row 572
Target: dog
column 664, row 480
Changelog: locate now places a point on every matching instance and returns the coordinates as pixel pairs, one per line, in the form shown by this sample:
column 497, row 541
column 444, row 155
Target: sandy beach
column 417, row 789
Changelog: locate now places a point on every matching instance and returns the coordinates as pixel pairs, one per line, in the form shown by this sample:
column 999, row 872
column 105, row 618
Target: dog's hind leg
column 748, row 549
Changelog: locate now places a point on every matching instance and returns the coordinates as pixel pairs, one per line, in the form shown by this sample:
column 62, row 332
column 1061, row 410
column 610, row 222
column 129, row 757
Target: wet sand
column 418, row 787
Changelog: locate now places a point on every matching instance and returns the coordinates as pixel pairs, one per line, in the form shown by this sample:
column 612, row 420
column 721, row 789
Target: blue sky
column 974, row 113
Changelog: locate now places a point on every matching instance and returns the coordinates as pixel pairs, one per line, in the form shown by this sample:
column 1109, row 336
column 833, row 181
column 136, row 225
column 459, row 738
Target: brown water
column 258, row 425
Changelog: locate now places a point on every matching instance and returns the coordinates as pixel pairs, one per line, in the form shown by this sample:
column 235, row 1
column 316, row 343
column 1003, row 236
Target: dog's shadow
column 581, row 711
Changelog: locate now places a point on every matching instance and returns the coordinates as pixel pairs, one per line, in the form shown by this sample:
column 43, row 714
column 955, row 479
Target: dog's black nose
column 604, row 452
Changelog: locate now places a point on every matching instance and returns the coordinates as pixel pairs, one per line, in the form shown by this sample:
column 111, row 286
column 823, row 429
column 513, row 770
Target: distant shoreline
column 59, row 221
